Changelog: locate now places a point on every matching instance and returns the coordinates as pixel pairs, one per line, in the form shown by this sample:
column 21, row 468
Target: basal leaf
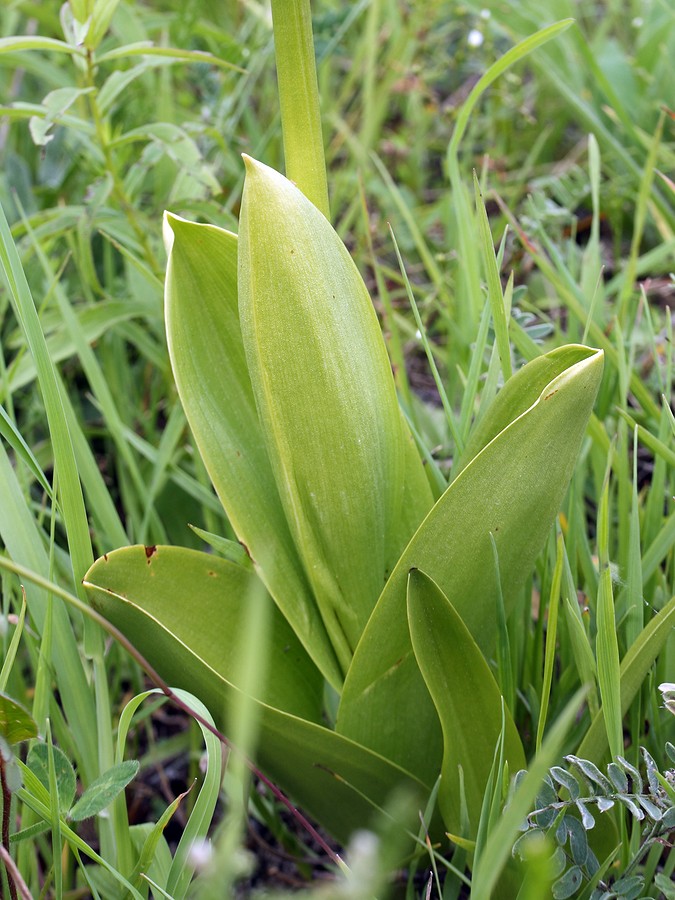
column 512, row 489
column 203, row 598
column 338, row 782
column 326, row 398
column 466, row 697
column 207, row 356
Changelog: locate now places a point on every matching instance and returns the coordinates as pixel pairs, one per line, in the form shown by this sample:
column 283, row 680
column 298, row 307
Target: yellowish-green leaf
column 326, row 398
column 466, row 697
column 338, row 782
column 205, row 599
column 511, row 490
column 209, row 366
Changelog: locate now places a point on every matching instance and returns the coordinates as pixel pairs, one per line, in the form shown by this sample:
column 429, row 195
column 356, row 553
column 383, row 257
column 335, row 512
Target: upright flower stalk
column 299, row 100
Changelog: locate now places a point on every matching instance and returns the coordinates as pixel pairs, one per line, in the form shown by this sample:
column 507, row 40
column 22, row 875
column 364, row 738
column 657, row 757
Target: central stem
column 299, row 100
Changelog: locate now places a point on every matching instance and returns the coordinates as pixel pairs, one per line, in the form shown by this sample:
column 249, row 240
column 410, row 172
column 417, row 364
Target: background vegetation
column 574, row 154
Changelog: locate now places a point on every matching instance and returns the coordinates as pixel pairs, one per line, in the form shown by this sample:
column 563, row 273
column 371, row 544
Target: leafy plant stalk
column 299, row 100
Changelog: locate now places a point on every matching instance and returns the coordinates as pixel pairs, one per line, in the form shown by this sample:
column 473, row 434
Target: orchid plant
column 381, row 590
column 375, row 585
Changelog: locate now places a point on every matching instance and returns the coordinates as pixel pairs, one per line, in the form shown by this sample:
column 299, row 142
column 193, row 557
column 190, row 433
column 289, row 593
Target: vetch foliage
column 568, row 805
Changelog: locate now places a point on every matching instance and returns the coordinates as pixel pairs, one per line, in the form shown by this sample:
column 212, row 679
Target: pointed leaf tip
column 168, row 231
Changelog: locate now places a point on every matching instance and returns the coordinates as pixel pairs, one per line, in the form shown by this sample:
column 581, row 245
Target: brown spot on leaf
column 150, row 551
column 551, row 394
column 248, row 552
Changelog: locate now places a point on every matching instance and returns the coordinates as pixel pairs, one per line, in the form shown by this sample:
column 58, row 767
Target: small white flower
column 363, row 846
column 637, row 22
column 485, row 14
column 362, row 854
column 200, row 854
column 475, row 38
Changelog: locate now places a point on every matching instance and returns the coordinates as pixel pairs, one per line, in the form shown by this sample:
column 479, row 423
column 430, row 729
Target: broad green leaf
column 204, row 598
column 334, row 779
column 16, row 723
column 635, row 665
column 209, row 366
column 511, row 490
column 38, row 762
column 466, row 697
column 103, row 790
column 326, row 399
